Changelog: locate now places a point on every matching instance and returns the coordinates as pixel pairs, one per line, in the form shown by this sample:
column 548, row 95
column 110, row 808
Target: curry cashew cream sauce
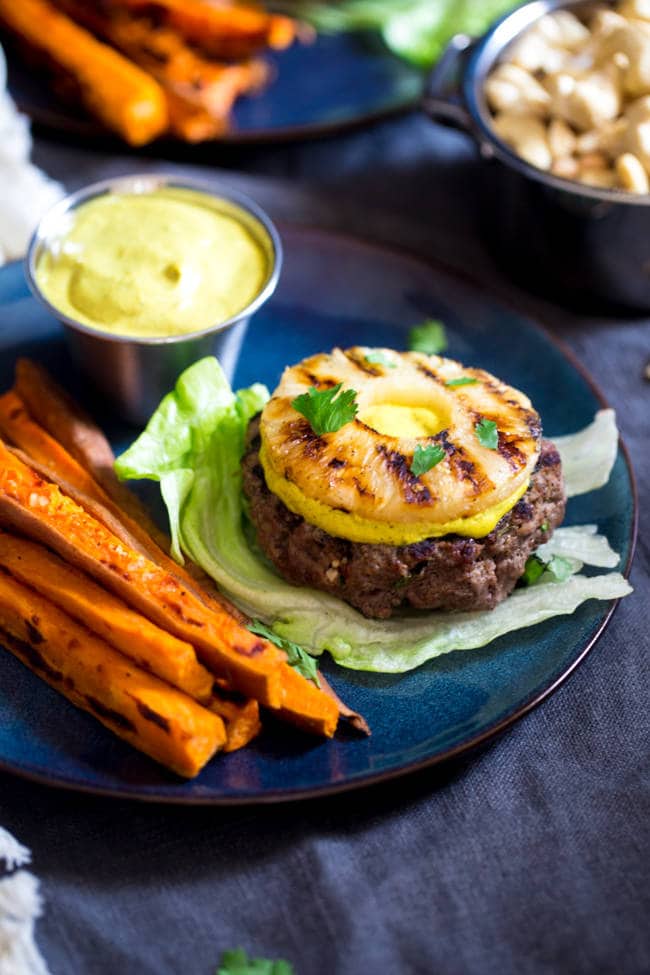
column 153, row 265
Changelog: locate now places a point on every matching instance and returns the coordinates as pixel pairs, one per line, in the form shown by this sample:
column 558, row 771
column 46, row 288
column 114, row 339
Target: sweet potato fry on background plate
column 223, row 30
column 200, row 92
column 146, row 68
column 123, row 96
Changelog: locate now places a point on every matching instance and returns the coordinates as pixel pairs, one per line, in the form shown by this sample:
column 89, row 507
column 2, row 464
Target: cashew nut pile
column 573, row 97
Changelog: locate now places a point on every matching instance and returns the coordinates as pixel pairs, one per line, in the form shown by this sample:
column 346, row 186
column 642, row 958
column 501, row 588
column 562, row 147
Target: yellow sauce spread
column 157, row 264
column 356, row 529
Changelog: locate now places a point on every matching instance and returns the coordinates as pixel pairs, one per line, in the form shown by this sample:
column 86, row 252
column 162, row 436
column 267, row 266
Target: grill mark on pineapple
column 319, row 382
column 511, row 453
column 301, row 434
column 533, row 424
column 414, row 491
column 528, row 417
column 468, row 471
column 366, row 368
column 462, row 468
column 430, row 374
column 506, row 445
column 365, row 492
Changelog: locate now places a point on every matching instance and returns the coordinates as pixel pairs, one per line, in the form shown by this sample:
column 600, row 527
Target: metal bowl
column 588, row 246
column 135, row 373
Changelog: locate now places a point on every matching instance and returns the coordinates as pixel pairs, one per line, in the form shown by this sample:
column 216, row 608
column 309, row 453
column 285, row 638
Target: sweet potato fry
column 231, row 32
column 57, row 413
column 148, row 646
column 18, row 428
column 200, row 93
column 157, row 719
column 302, row 702
column 38, row 509
column 241, row 717
column 124, row 97
column 306, row 706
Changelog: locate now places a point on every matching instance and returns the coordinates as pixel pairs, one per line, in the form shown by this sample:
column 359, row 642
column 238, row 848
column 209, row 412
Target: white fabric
column 12, row 853
column 20, row 906
column 26, row 193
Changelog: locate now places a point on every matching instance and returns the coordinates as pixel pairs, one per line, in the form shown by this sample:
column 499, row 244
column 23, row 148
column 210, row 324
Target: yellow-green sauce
column 152, row 265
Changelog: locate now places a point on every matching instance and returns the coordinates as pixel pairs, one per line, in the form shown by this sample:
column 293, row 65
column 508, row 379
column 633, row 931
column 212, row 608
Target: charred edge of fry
column 353, row 718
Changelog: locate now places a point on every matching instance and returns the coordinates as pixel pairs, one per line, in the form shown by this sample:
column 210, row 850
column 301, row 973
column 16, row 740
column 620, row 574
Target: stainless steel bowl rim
column 483, row 57
column 146, row 183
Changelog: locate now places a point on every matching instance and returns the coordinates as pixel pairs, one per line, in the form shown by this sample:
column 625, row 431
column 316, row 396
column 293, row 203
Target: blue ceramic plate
column 335, row 290
column 332, row 84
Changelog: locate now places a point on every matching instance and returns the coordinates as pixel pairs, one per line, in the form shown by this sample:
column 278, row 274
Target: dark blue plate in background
column 335, row 290
column 324, row 87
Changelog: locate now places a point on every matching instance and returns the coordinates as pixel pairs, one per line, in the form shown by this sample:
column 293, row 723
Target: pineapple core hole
column 398, row 420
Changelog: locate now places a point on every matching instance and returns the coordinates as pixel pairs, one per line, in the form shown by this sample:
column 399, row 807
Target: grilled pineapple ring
column 357, row 483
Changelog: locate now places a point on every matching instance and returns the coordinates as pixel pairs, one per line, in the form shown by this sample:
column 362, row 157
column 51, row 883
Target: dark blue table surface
column 528, row 857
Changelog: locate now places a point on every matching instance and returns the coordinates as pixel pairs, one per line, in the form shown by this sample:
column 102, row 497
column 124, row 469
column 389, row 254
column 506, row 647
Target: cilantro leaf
column 533, row 571
column 237, row 962
column 380, row 359
column 429, row 337
column 559, row 568
column 487, row 434
column 327, row 410
column 544, row 527
column 298, row 658
column 425, row 458
column 462, row 381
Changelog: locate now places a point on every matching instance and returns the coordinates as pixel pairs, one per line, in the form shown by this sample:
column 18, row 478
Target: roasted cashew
column 513, row 90
column 635, row 9
column 631, row 174
column 563, row 29
column 561, row 139
column 585, row 103
column 527, row 136
column 634, row 43
column 533, row 53
column 589, row 81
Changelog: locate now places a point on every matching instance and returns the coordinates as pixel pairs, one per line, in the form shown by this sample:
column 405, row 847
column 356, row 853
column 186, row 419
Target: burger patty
column 451, row 573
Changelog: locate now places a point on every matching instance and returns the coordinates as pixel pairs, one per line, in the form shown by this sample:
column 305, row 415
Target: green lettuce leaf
column 177, row 443
column 416, row 30
column 421, row 32
column 193, row 445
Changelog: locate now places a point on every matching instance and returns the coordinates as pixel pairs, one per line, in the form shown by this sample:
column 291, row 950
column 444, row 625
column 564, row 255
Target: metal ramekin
column 135, row 373
column 587, row 246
